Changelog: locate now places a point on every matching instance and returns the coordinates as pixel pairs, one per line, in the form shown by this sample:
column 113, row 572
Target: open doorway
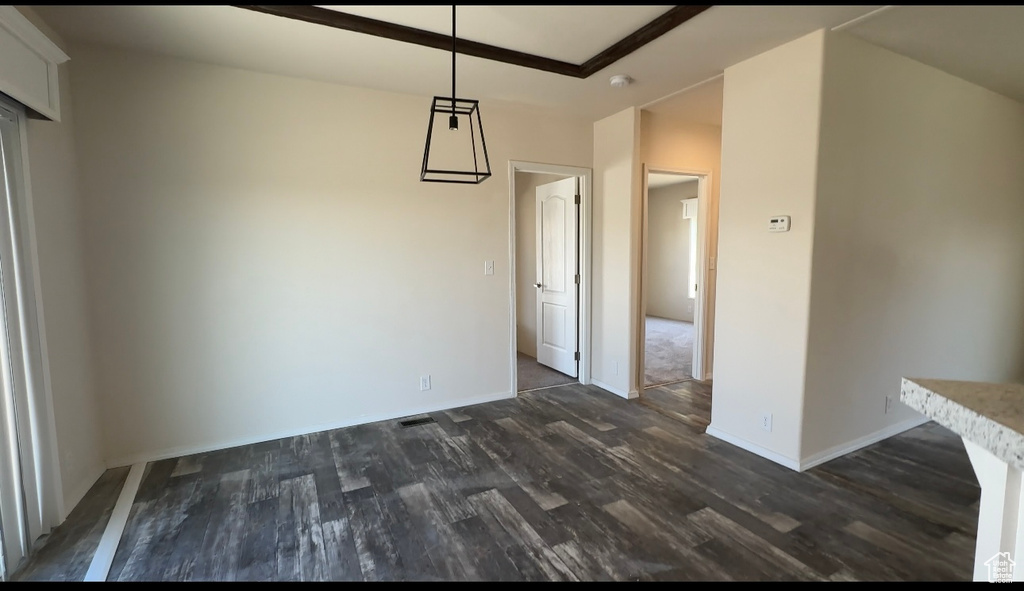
column 671, row 303
column 550, row 275
column 671, row 277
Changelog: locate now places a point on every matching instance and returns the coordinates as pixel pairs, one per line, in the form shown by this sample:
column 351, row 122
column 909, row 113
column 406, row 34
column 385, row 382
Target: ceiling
column 982, row 44
column 516, row 27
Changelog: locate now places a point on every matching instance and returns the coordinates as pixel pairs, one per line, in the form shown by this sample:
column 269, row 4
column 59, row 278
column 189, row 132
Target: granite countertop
column 989, row 415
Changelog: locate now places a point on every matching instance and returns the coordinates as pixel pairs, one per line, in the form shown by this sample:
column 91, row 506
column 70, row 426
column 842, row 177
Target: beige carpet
column 668, row 355
column 533, row 375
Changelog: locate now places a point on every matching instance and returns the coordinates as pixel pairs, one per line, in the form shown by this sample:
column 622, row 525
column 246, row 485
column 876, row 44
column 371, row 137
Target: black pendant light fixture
column 453, row 155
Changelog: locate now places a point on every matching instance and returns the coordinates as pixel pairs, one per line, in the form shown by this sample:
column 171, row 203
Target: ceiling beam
column 640, row 37
column 369, row 26
column 360, row 24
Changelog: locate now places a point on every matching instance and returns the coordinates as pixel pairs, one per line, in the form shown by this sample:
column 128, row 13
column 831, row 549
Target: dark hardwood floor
column 65, row 554
column 567, row 483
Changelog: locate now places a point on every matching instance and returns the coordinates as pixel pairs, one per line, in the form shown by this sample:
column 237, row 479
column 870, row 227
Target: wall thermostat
column 779, row 223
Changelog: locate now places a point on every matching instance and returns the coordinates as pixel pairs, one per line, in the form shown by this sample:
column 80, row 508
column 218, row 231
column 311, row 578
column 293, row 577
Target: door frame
column 585, row 239
column 703, row 248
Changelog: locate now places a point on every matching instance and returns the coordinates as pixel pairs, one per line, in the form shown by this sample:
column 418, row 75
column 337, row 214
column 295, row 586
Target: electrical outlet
column 766, row 421
column 425, row 382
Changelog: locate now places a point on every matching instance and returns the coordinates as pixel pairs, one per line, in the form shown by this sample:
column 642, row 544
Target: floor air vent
column 415, row 422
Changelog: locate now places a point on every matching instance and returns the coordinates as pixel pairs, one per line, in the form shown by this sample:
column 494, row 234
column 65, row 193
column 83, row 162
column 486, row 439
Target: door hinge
column 577, row 200
column 577, row 279
column 577, row 356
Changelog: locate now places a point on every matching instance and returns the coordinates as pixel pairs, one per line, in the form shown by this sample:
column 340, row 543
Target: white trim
column 103, row 558
column 850, row 446
column 585, row 176
column 22, row 29
column 754, row 448
column 700, row 307
column 185, row 450
column 618, row 392
column 823, row 456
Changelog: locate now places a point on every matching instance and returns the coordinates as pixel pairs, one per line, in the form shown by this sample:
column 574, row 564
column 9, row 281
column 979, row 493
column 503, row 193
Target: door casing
column 585, row 238
column 700, row 308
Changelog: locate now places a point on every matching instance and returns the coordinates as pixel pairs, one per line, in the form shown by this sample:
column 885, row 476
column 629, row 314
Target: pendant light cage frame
column 453, row 107
column 470, row 108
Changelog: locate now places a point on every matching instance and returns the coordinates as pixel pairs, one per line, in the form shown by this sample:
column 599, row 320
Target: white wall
column 616, row 247
column 769, row 167
column 264, row 260
column 906, row 256
column 59, row 240
column 526, row 258
column 919, row 242
column 670, row 143
column 668, row 248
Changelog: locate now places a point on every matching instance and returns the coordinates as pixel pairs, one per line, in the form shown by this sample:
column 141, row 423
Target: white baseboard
column 753, row 448
column 78, row 493
column 175, row 452
column 614, row 390
column 845, row 448
column 822, row 456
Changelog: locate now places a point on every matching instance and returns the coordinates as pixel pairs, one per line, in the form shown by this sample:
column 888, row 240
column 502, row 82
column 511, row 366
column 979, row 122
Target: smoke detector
column 620, row 80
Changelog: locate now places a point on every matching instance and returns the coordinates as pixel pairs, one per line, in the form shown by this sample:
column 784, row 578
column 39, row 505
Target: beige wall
column 616, row 247
column 671, row 143
column 769, row 168
column 264, row 260
column 906, row 255
column 919, row 242
column 59, row 239
column 526, row 258
column 668, row 248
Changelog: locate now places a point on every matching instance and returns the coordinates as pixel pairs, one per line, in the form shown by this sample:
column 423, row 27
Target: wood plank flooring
column 567, row 483
column 66, row 553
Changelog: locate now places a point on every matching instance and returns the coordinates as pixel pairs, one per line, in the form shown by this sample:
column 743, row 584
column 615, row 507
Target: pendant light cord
column 453, row 59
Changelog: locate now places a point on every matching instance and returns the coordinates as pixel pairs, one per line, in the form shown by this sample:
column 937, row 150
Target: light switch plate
column 488, row 267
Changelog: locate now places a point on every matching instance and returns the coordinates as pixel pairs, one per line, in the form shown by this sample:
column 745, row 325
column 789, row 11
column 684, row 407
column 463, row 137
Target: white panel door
column 557, row 287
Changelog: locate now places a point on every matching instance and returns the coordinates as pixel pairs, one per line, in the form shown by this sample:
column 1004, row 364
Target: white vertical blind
column 26, row 457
